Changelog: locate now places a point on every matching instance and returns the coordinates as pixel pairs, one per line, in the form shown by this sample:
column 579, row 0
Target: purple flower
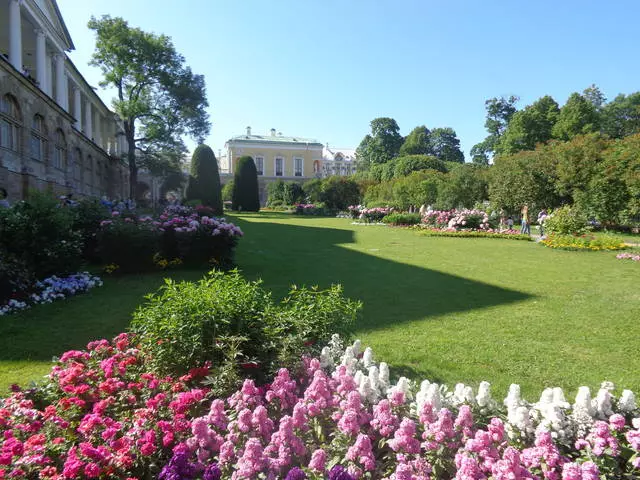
column 339, row 473
column 295, row 473
column 212, row 472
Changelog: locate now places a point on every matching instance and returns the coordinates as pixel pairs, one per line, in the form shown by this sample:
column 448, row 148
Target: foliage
column 245, row 196
column 565, row 220
column 287, row 193
column 530, row 126
column 382, row 144
column 186, row 323
column 313, row 190
column 402, row 218
column 87, row 215
column 204, row 180
column 418, row 142
column 583, row 242
column 404, row 165
column 621, row 116
column 158, row 98
column 338, row 192
column 40, row 235
column 463, row 187
column 418, row 188
column 577, row 117
column 445, row 145
column 317, row 209
column 227, row 191
column 15, row 277
column 499, row 113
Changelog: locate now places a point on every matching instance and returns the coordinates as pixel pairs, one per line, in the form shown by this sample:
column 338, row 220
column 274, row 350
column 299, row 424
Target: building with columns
column 338, row 161
column 55, row 132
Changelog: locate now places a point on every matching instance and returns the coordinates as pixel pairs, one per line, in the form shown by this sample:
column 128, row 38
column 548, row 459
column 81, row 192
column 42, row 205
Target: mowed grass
column 446, row 309
column 464, row 310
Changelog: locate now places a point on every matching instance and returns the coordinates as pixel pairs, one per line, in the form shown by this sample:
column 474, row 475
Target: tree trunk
column 131, row 159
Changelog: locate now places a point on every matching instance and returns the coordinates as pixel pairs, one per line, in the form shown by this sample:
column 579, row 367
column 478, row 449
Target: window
column 297, row 167
column 38, row 139
column 60, row 151
column 260, row 165
column 279, row 166
column 9, row 123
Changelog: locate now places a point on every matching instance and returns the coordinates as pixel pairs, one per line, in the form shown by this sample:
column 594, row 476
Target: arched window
column 60, row 151
column 9, row 123
column 38, row 139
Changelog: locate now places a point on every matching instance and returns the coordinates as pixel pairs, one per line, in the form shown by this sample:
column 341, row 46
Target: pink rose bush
column 465, row 223
column 369, row 215
column 100, row 415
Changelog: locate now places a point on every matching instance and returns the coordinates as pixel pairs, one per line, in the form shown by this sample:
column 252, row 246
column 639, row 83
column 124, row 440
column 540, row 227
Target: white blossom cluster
column 552, row 412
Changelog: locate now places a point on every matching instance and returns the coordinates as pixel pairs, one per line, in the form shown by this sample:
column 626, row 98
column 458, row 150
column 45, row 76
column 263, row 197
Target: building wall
column 271, row 152
column 87, row 169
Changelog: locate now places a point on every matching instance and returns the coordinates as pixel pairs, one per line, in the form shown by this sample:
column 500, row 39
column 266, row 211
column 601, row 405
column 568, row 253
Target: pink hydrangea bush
column 635, row 257
column 348, row 422
column 100, row 415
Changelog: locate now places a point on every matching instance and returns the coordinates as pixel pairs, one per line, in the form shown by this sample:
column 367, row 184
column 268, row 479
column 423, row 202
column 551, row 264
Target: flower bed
column 508, row 234
column 583, row 242
column 629, row 256
column 369, row 215
column 131, row 243
column 102, row 415
column 457, row 220
column 51, row 289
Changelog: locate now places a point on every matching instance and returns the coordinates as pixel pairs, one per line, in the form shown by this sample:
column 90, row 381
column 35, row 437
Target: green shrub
column 204, row 181
column 227, row 191
column 245, row 196
column 15, row 277
column 39, row 233
column 338, row 193
column 565, row 220
column 186, row 324
column 129, row 244
column 583, row 242
column 402, row 219
column 87, row 215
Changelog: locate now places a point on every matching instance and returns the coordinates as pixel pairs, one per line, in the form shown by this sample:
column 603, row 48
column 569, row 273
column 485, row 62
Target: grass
column 447, row 309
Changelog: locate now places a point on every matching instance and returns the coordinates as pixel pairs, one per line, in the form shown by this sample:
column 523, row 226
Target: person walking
column 526, row 227
column 542, row 217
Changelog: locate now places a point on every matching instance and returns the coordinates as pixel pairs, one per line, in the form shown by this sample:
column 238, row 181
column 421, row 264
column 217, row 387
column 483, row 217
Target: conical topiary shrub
column 204, row 180
column 245, row 197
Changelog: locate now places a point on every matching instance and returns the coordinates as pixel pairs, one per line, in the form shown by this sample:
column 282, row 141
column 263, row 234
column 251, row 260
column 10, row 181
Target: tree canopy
column 577, row 117
column 445, row 145
column 418, row 142
column 159, row 98
column 382, row 144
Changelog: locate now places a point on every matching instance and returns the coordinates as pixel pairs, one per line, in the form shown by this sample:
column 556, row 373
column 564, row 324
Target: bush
column 227, row 191
column 375, row 214
column 186, row 323
column 338, row 193
column 128, row 243
column 245, row 195
column 313, row 209
column 402, row 219
column 284, row 193
column 87, row 216
column 504, row 234
column 583, row 242
column 15, row 278
column 204, row 181
column 40, row 234
column 564, row 221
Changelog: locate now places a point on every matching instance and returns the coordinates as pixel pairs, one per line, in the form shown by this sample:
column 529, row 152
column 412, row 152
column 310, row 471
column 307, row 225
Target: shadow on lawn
column 392, row 292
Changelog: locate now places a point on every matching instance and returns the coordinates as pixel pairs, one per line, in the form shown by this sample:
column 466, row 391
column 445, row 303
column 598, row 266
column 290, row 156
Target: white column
column 98, row 130
column 77, row 109
column 48, row 84
column 41, row 57
column 61, row 80
column 15, row 34
column 88, row 123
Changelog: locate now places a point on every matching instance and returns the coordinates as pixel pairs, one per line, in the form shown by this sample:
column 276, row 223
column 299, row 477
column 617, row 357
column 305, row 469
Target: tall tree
column 418, row 142
column 245, row 196
column 159, row 98
column 204, row 181
column 382, row 144
column 530, row 126
column 595, row 96
column 499, row 113
column 577, row 117
column 621, row 116
column 446, row 145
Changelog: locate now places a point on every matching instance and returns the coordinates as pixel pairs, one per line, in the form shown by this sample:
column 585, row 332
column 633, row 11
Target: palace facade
column 56, row 134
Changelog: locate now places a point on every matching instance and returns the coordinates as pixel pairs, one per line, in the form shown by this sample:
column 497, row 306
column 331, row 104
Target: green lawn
column 447, row 309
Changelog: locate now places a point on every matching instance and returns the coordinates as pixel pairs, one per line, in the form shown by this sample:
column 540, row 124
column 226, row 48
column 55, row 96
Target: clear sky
column 325, row 68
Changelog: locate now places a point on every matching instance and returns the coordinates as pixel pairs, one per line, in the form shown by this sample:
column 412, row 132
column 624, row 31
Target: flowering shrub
column 51, row 289
column 629, row 256
column 438, row 218
column 507, row 234
column 132, row 242
column 349, row 422
column 374, row 215
column 354, row 210
column 100, row 415
column 583, row 242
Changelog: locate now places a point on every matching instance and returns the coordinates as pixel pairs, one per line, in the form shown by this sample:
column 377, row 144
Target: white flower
column 627, row 402
column 367, row 357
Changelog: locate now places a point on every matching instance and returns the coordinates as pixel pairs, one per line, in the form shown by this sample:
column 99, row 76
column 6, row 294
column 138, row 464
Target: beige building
column 338, row 161
column 276, row 157
column 55, row 132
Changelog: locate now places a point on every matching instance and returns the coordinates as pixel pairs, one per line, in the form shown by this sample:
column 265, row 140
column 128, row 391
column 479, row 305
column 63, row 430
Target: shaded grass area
column 464, row 310
column 30, row 339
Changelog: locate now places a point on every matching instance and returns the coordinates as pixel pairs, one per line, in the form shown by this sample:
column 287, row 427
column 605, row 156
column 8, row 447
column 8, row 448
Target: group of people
column 120, row 205
column 525, row 225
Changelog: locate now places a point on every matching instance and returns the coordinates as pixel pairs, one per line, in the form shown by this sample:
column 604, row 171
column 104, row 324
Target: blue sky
column 325, row 68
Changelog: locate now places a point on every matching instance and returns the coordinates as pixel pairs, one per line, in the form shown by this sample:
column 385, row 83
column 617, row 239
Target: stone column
column 98, row 130
column 48, row 84
column 77, row 108
column 61, row 81
column 88, row 117
column 15, row 34
column 41, row 58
